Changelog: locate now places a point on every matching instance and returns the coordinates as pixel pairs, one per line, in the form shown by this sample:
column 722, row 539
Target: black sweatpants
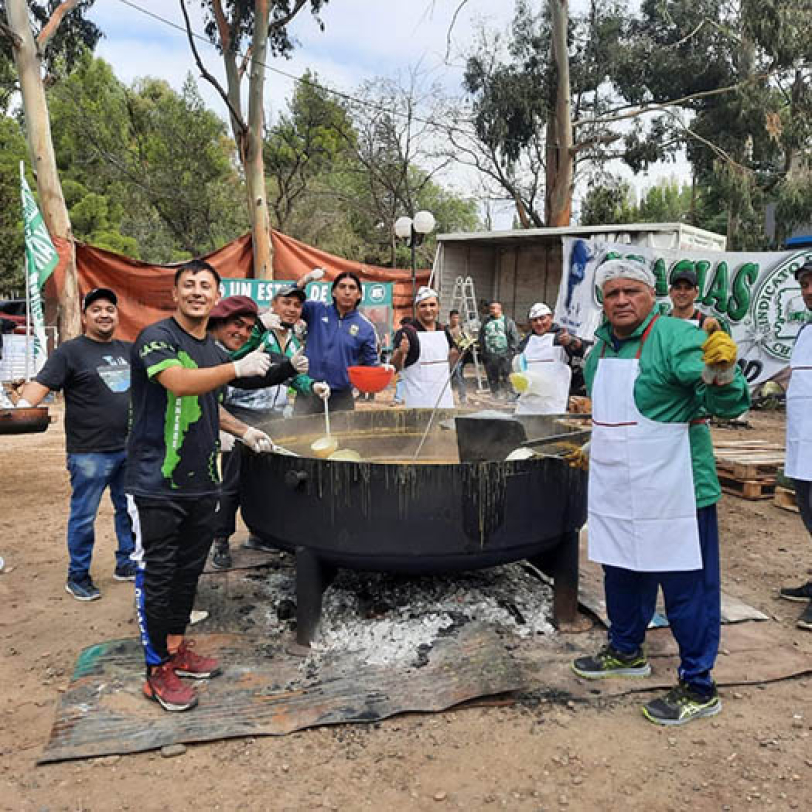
column 172, row 541
column 497, row 368
column 803, row 498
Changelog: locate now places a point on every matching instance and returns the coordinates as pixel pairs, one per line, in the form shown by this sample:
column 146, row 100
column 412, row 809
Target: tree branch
column 451, row 29
column 717, row 150
column 235, row 114
column 16, row 42
column 283, row 21
column 651, row 108
column 50, row 28
column 593, row 141
column 222, row 24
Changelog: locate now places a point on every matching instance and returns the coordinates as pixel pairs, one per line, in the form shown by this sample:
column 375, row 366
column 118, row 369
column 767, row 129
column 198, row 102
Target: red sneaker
column 186, row 663
column 164, row 687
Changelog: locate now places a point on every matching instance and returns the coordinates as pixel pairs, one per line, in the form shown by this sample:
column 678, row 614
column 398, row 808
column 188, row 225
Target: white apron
column 642, row 506
column 799, row 409
column 424, row 380
column 547, row 360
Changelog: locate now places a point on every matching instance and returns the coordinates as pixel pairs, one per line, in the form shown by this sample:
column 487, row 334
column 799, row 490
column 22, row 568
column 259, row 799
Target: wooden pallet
column 749, row 460
column 785, row 499
column 748, row 489
column 751, row 466
column 745, row 445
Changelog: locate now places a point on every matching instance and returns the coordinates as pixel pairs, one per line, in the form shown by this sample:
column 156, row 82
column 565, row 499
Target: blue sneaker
column 126, row 572
column 82, row 590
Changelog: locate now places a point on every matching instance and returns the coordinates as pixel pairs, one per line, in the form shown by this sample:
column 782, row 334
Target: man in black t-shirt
column 178, row 374
column 94, row 372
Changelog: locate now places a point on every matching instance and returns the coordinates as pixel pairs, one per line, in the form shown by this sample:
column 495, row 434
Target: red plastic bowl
column 370, row 379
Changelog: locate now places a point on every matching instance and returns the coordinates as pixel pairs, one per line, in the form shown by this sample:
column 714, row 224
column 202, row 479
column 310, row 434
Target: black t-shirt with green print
column 173, row 443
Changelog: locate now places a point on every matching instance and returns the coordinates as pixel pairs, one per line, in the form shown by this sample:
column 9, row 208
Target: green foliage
column 607, row 203
column 667, row 202
column 74, row 35
column 12, row 258
column 513, row 96
column 145, row 170
column 240, row 14
column 311, row 140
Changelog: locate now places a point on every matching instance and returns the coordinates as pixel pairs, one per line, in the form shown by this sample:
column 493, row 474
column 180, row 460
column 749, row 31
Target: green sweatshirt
column 260, row 337
column 670, row 389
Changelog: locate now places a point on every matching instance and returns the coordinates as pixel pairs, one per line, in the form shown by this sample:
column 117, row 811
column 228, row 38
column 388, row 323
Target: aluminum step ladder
column 463, row 298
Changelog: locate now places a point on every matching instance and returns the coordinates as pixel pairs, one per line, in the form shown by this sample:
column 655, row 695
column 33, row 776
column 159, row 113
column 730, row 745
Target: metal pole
column 414, row 273
column 28, row 277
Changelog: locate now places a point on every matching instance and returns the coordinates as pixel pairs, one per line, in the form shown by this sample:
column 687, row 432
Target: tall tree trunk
column 41, row 151
column 560, row 163
column 254, row 167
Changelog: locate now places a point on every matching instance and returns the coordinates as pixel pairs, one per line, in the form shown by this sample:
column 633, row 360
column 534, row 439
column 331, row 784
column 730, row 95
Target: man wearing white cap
column 424, row 353
column 653, row 486
column 546, row 351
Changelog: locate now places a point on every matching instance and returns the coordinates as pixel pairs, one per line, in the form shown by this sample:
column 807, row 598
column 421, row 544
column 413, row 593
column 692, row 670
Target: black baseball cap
column 291, row 290
column 805, row 268
column 99, row 293
column 685, row 276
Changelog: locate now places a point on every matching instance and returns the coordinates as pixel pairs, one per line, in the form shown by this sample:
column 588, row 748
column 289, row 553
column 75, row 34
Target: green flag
column 40, row 254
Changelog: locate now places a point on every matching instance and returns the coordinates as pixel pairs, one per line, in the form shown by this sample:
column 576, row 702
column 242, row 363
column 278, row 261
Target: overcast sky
column 361, row 40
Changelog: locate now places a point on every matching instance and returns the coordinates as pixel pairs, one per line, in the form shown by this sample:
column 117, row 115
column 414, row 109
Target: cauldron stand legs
column 561, row 563
column 313, row 576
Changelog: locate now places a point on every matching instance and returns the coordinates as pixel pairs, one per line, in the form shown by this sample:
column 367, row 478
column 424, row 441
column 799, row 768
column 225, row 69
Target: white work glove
column 389, row 368
column 22, row 403
column 313, row 276
column 300, row 362
column 270, row 320
column 255, row 364
column 258, row 441
column 321, row 390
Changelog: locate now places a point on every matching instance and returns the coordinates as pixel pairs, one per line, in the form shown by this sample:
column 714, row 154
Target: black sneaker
column 805, row 620
column 681, row 705
column 256, row 543
column 610, row 663
column 126, row 572
column 221, row 557
column 84, row 590
column 796, row 593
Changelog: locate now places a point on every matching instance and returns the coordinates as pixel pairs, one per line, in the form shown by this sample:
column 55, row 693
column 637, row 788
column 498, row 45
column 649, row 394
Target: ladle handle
column 326, row 417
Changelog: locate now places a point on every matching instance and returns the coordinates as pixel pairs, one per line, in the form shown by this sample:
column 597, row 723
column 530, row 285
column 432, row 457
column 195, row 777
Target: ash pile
column 381, row 618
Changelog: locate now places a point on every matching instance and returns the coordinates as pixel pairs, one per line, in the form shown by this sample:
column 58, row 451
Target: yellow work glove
column 719, row 355
column 719, row 348
column 578, row 457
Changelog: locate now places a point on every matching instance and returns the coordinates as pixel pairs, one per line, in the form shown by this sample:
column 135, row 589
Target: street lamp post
column 415, row 230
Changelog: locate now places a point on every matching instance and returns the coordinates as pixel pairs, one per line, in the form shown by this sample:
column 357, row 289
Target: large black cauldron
column 387, row 514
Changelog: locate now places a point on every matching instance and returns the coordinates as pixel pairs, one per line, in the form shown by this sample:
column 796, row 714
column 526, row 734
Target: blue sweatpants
column 692, row 604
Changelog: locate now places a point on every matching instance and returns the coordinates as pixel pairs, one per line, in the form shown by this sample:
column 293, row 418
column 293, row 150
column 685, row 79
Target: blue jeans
column 90, row 474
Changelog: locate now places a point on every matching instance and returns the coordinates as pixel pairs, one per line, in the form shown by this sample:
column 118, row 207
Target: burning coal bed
column 380, row 618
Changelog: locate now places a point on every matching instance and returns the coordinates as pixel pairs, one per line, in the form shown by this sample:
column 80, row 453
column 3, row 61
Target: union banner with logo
column 754, row 295
column 376, row 302
column 40, row 260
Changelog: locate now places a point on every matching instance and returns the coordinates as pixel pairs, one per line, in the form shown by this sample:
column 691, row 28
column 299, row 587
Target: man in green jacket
column 653, row 486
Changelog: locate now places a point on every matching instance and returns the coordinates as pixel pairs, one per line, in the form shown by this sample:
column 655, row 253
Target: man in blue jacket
column 338, row 336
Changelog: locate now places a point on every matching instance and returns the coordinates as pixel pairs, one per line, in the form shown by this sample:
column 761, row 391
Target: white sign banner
column 754, row 295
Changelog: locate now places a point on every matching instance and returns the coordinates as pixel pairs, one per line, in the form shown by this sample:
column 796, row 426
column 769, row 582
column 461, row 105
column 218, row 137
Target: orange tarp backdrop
column 145, row 290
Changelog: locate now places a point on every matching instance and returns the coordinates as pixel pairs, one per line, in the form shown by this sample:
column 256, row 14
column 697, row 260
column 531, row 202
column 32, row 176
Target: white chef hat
column 624, row 269
column 423, row 293
column 538, row 310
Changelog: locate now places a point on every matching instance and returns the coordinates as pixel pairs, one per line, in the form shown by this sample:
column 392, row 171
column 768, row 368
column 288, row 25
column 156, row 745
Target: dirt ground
column 537, row 754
